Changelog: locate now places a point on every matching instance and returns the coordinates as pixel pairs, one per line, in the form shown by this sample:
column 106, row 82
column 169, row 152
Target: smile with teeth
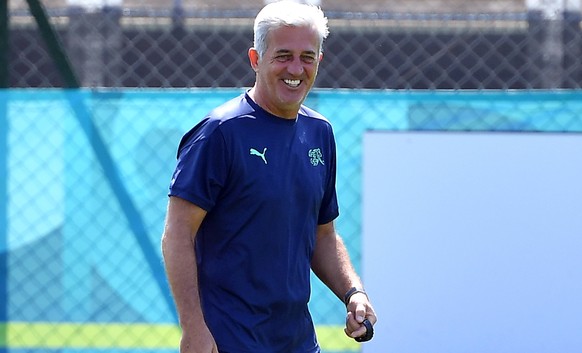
column 292, row 83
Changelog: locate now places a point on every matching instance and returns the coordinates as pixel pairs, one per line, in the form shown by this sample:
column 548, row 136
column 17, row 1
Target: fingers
column 360, row 313
column 369, row 332
column 363, row 310
column 355, row 325
column 371, row 316
column 354, row 328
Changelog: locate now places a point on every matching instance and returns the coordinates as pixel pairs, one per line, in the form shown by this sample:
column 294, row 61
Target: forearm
column 332, row 265
column 182, row 224
column 182, row 274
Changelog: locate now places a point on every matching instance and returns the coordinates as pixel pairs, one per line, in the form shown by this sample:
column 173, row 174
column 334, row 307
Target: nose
column 295, row 67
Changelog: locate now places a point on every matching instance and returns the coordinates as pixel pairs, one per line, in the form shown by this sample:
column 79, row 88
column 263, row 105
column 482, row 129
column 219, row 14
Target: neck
column 256, row 97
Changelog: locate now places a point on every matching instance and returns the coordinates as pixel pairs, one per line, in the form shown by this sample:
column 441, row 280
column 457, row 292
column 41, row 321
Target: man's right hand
column 200, row 342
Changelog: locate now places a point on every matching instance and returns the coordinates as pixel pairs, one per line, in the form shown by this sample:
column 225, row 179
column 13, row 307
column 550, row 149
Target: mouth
column 292, row 83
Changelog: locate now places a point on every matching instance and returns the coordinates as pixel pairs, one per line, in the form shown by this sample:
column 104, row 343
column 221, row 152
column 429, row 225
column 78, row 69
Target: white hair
column 288, row 13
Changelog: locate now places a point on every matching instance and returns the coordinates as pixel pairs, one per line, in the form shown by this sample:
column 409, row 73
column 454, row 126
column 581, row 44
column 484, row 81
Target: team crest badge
column 316, row 157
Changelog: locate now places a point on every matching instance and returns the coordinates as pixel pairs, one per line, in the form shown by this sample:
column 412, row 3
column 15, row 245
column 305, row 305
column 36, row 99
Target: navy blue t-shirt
column 266, row 183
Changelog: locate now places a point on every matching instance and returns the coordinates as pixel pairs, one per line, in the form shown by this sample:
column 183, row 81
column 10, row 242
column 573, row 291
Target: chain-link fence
column 420, row 44
column 84, row 173
column 85, row 182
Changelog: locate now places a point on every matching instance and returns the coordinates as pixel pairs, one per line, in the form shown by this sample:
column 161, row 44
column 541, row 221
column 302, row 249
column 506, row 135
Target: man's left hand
column 359, row 308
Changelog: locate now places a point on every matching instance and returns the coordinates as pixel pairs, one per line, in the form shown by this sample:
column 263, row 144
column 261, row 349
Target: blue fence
column 83, row 183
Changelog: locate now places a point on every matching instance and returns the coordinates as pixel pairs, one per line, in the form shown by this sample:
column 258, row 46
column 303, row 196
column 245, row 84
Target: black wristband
column 351, row 292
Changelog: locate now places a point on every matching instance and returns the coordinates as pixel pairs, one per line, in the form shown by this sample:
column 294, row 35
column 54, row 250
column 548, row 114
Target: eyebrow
column 287, row 51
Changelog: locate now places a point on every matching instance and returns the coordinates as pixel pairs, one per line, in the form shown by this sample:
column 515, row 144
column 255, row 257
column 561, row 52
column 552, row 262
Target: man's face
column 287, row 70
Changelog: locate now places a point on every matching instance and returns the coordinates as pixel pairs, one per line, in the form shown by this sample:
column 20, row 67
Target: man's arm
column 182, row 222
column 331, row 263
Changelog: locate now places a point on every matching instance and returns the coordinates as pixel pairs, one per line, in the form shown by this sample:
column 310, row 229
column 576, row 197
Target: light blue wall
column 84, row 176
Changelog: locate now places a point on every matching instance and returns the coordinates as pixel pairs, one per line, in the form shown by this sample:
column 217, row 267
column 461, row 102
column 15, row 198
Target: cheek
column 311, row 71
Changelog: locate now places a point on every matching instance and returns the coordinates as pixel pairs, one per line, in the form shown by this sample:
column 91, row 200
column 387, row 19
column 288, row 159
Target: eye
column 308, row 59
column 283, row 57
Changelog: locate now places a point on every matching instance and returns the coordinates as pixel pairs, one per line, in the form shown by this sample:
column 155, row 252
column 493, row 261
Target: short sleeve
column 329, row 206
column 202, row 168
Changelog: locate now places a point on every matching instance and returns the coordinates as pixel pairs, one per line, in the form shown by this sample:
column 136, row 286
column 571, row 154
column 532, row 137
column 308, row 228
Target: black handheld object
column 369, row 332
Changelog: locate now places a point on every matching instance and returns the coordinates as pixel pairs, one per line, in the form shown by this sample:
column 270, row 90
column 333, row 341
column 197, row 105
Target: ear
column 320, row 57
column 254, row 58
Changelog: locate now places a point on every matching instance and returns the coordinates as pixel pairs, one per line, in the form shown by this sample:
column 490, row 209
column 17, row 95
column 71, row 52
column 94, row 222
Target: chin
column 294, row 99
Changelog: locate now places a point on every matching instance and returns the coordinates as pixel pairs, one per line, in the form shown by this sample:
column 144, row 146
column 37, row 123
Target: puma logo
column 254, row 152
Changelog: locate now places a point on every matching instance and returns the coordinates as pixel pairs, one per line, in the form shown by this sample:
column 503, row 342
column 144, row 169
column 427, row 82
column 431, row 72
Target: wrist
column 351, row 292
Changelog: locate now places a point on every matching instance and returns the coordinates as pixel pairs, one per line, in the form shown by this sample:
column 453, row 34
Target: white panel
column 473, row 241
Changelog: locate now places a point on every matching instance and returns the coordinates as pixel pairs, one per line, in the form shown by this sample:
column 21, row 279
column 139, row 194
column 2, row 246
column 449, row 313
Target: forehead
column 293, row 38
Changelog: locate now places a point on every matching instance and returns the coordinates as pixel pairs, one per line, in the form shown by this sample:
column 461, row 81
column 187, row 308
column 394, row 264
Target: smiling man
column 286, row 69
column 253, row 202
